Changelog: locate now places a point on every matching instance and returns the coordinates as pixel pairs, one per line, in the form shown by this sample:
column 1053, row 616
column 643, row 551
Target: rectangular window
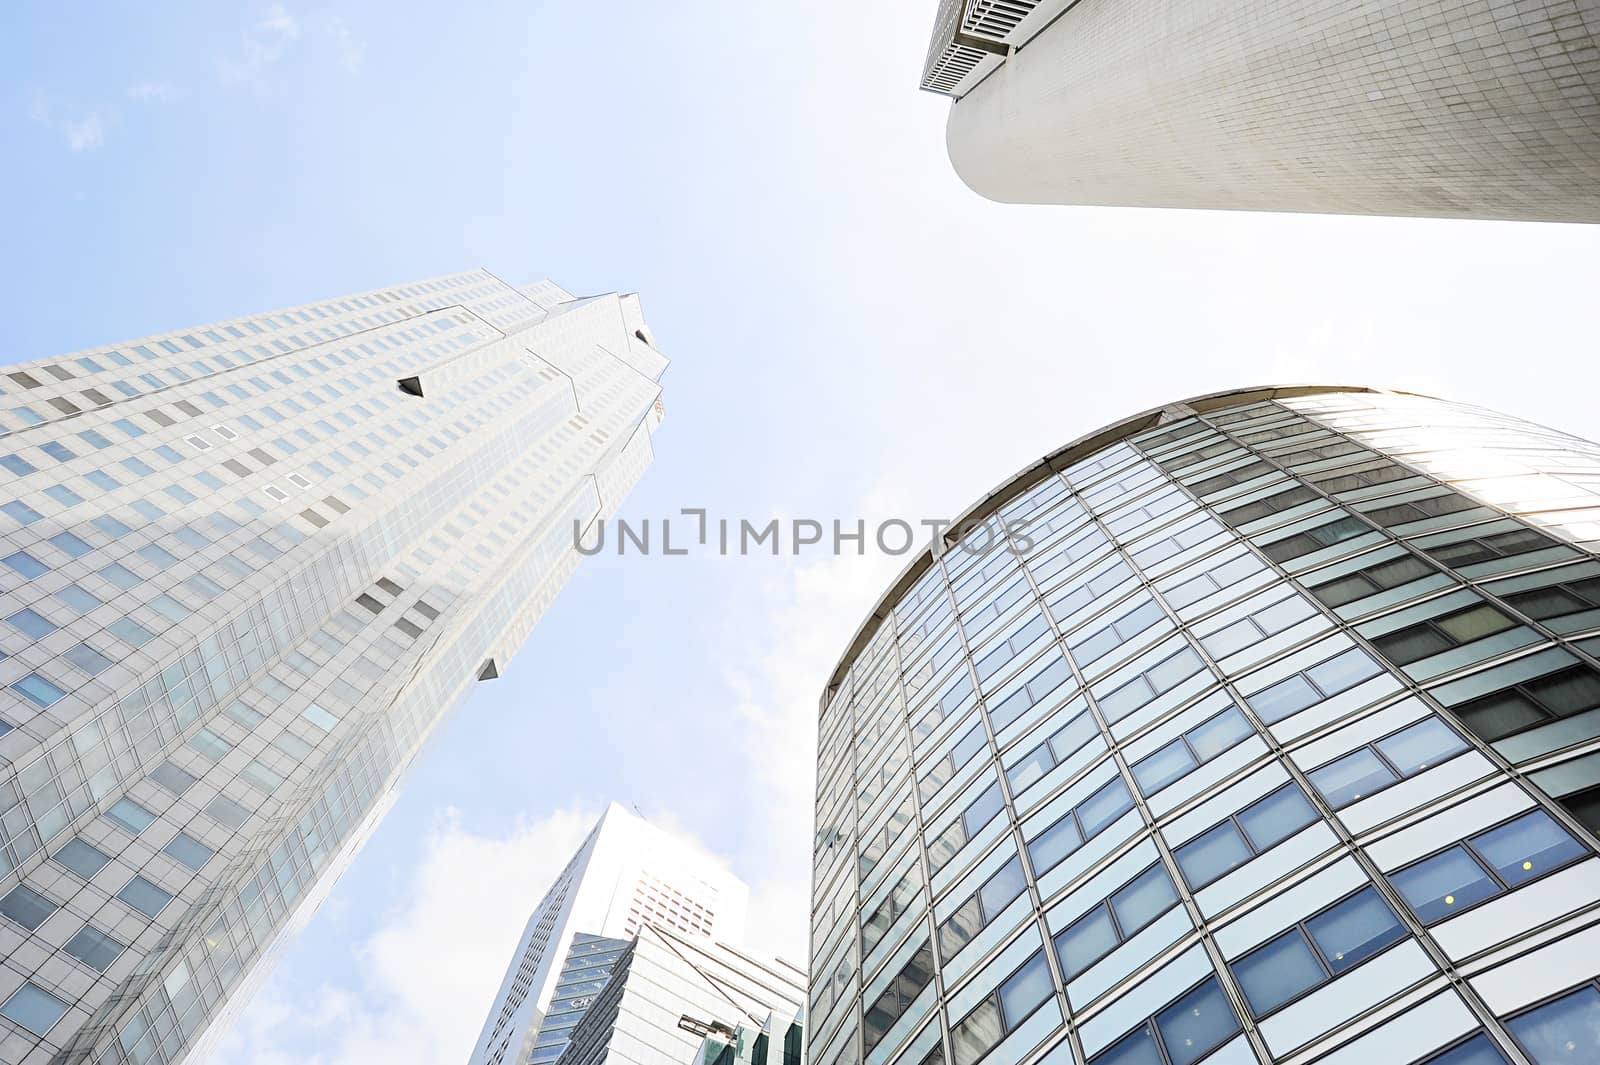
column 1185, row 1031
column 1489, row 863
column 144, row 896
column 1002, row 1011
column 898, row 996
column 1367, row 770
column 982, row 907
column 1304, row 543
column 1252, row 831
column 1311, row 686
column 1128, row 911
column 94, row 948
column 1194, row 748
column 1316, row 950
column 1080, row 824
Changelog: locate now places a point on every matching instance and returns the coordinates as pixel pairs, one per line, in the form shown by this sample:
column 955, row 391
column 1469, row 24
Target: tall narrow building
column 628, row 874
column 247, row 568
column 1263, row 727
column 1459, row 108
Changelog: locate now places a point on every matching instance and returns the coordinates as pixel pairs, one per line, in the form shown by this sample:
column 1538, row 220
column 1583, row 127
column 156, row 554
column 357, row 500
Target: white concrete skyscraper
column 1454, row 108
column 628, row 874
column 247, row 567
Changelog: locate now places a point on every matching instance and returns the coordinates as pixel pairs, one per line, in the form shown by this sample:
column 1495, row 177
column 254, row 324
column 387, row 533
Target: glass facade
column 1267, row 728
column 245, row 569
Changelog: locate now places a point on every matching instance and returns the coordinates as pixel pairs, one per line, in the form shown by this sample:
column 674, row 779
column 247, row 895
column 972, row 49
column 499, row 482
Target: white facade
column 664, row 977
column 247, row 568
column 626, row 874
column 1458, row 108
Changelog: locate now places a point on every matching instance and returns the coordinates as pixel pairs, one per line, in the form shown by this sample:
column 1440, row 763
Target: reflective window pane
column 1527, row 847
column 1289, row 696
column 977, row 1034
column 1563, row 1032
column 1274, row 974
column 1212, row 854
column 1196, row 1023
column 1025, row 990
column 1085, row 942
column 1104, row 807
column 33, row 1008
column 1355, row 929
column 1422, row 746
column 1147, row 897
column 1219, row 734
column 1275, row 818
column 1353, row 777
column 1475, row 1051
column 1439, row 886
column 1163, row 767
column 1136, row 1048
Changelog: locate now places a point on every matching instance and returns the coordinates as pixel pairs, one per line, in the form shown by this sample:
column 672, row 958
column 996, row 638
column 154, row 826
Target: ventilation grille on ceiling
column 952, row 67
column 995, row 19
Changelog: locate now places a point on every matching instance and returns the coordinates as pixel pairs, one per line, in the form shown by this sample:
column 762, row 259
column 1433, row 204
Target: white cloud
column 260, row 47
column 150, row 92
column 431, row 968
column 83, row 134
column 351, row 52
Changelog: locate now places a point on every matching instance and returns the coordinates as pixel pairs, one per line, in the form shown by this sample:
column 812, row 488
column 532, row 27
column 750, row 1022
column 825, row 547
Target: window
column 1262, row 508
column 33, row 1008
column 71, row 545
column 94, row 948
column 31, row 623
column 1252, row 831
column 964, row 828
column 898, row 996
column 1226, row 575
column 81, row 858
column 20, row 512
column 1128, row 911
column 144, row 896
column 86, row 658
column 1311, row 686
column 1039, row 688
column 37, row 690
column 1150, row 685
column 1557, row 600
column 25, row 564
column 1315, row 539
column 1437, row 635
column 171, row 777
column 1269, row 620
column 1002, row 1011
column 1057, row 748
column 1191, row 750
column 973, row 743
column 1089, row 647
column 26, row 907
column 130, row 815
column 1419, row 509
column 1410, row 751
column 1560, row 1032
column 1187, row 1030
column 1485, row 865
column 1531, row 703
column 189, row 851
column 1054, row 844
column 1316, row 950
column 983, row 906
column 1488, row 547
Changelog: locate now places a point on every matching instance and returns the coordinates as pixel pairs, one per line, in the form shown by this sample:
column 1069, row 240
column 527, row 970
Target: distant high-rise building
column 1263, row 727
column 247, row 568
column 627, row 874
column 673, row 997
column 1461, row 108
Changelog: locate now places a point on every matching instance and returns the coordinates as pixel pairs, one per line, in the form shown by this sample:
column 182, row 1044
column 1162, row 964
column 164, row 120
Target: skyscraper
column 673, row 997
column 247, row 568
column 627, row 874
column 1266, row 729
column 1462, row 108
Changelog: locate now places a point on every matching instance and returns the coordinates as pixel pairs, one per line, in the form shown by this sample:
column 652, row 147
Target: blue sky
column 853, row 333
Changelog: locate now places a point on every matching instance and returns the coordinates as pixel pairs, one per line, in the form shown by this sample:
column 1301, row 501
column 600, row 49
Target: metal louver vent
column 952, row 67
column 995, row 19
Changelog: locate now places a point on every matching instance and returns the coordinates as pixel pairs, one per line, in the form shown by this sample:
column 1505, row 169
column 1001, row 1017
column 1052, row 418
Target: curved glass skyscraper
column 1263, row 727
